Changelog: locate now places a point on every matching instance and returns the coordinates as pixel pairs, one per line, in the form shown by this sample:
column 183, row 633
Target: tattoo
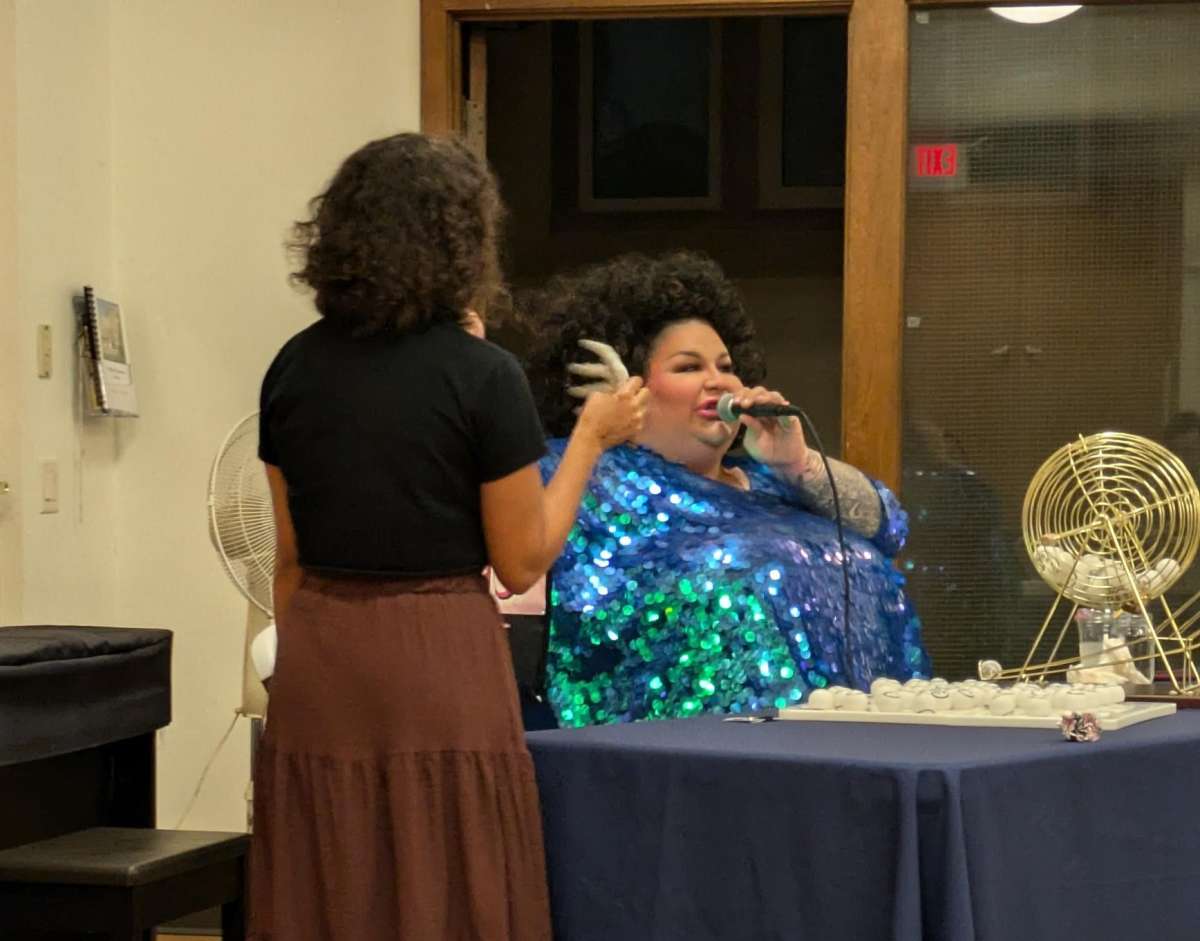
column 862, row 510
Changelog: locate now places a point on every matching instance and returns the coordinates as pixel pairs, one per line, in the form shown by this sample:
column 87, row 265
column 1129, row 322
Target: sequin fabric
column 677, row 595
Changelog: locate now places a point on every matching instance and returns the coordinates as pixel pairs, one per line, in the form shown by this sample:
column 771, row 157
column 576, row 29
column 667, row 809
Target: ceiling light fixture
column 1034, row 15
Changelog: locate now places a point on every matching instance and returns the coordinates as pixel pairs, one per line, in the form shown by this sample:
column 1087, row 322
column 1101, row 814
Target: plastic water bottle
column 1094, row 625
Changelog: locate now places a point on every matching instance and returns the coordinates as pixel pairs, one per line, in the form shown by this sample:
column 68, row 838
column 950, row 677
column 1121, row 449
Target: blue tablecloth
column 700, row 829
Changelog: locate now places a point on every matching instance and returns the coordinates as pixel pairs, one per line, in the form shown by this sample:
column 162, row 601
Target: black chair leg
column 233, row 920
column 126, row 928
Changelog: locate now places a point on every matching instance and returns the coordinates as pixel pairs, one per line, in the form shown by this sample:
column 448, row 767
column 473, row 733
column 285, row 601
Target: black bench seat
column 122, row 882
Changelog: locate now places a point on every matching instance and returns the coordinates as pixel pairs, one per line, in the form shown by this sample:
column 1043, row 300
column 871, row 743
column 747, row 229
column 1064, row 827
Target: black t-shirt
column 385, row 441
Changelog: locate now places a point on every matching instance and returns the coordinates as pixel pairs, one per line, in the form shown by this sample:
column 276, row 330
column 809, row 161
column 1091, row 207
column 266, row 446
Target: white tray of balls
column 975, row 703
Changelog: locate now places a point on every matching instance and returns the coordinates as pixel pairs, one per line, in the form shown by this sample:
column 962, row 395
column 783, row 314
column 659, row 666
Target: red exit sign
column 935, row 160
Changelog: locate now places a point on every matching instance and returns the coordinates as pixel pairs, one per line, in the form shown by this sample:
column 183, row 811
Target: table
column 699, row 828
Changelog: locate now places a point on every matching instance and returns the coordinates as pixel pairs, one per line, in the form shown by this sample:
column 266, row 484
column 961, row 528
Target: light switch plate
column 45, row 351
column 50, row 486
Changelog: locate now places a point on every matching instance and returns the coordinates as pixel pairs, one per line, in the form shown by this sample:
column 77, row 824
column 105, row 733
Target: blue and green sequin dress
column 677, row 595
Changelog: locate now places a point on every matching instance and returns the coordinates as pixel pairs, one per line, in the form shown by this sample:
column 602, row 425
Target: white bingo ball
column 964, row 698
column 1002, row 704
column 923, row 702
column 820, row 699
column 1113, row 694
column 856, row 701
column 839, row 694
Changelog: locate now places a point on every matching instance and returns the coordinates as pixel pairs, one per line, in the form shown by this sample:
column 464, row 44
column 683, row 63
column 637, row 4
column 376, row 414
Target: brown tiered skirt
column 394, row 795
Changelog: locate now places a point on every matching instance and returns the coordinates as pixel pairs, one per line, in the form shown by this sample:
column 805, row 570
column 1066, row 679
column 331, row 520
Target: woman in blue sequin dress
column 695, row 581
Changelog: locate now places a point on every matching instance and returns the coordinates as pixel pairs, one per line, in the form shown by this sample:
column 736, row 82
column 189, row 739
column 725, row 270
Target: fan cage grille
column 241, row 521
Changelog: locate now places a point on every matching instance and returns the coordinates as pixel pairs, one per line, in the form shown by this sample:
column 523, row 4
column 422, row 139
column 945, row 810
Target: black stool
column 122, row 881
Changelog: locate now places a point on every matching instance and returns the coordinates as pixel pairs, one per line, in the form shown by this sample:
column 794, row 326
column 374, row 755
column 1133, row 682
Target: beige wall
column 55, row 234
column 64, row 239
column 163, row 147
column 10, row 326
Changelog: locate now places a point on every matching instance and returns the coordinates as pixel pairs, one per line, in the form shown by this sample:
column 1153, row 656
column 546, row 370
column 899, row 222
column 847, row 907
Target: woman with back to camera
column 696, row 581
column 394, row 794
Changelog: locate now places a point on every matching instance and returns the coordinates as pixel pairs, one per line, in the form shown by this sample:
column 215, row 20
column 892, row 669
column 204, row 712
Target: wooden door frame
column 876, row 161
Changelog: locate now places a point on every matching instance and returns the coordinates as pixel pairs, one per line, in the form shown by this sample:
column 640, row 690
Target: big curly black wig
column 627, row 303
column 405, row 235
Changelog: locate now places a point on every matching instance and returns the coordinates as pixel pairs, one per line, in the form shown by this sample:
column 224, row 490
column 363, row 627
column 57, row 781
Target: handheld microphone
column 728, row 410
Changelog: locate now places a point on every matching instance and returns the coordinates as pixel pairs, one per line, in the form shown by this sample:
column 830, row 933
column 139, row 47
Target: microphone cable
column 726, row 412
column 847, row 650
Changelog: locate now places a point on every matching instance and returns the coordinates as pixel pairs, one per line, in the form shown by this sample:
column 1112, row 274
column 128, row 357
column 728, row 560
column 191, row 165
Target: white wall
column 163, row 148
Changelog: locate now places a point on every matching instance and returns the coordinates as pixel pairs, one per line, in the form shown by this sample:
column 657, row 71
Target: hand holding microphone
column 773, row 433
column 728, row 408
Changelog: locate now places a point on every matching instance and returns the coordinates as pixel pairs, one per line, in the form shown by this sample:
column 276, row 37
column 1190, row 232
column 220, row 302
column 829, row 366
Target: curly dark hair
column 627, row 303
column 404, row 236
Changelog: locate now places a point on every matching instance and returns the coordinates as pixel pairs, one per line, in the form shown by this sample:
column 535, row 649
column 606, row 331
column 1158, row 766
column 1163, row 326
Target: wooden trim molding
column 441, row 55
column 589, row 9
column 873, row 274
column 441, row 34
column 945, row 4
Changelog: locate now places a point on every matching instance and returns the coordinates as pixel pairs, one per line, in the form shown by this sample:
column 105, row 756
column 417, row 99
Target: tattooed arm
column 862, row 508
column 779, row 444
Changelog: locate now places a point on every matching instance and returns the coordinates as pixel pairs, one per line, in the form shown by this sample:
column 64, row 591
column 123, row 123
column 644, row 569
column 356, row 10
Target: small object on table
column 1080, row 727
column 752, row 720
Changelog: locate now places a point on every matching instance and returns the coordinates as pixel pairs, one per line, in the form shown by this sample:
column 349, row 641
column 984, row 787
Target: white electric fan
column 242, row 528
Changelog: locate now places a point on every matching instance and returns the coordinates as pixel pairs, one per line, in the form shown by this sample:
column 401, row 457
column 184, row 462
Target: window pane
column 651, row 132
column 814, row 101
column 1052, row 284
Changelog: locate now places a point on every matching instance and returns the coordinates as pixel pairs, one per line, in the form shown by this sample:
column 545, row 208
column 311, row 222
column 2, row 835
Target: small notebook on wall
column 104, row 357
